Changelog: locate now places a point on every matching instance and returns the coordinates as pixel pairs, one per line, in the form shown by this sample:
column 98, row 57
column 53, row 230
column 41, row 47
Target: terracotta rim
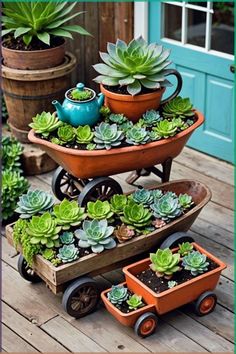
column 33, row 51
column 147, row 326
column 207, row 305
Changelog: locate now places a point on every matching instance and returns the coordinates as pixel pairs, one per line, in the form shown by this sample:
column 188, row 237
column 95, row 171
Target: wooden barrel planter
column 29, row 92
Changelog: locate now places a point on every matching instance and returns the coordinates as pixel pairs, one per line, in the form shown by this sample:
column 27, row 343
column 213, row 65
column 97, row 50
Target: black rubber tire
column 85, row 289
column 175, row 239
column 102, row 188
column 210, row 295
column 26, row 272
column 145, row 317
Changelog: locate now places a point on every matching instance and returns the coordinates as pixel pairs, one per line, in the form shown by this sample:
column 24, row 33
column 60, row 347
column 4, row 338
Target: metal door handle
column 232, row 68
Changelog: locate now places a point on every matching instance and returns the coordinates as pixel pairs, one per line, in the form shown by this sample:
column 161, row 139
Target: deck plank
column 12, row 343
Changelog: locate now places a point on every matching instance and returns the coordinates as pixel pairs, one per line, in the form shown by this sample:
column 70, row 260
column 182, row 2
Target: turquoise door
column 201, row 37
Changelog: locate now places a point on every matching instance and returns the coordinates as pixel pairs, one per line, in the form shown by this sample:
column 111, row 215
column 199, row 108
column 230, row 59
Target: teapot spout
column 60, row 111
column 100, row 99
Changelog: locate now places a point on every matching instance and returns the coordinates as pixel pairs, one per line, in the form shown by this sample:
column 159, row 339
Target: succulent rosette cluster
column 34, row 202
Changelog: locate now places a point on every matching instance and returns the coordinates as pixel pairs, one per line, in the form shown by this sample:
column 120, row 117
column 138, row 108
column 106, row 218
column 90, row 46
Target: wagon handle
column 179, row 85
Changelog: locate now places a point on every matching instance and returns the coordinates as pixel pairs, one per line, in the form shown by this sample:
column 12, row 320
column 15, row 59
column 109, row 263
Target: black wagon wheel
column 26, row 272
column 175, row 239
column 102, row 188
column 81, row 297
column 146, row 324
column 206, row 303
column 65, row 185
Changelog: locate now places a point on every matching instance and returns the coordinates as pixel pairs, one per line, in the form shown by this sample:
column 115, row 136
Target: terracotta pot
column 88, row 164
column 35, row 59
column 179, row 295
column 29, row 92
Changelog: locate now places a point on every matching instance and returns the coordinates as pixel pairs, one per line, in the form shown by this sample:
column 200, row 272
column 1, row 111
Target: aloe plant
column 185, row 248
column 136, row 215
column 165, row 263
column 99, row 210
column 185, row 201
column 68, row 253
column 68, row 213
column 142, row 196
column 84, row 134
column 165, row 129
column 107, row 136
column 137, row 136
column 81, row 95
column 67, row 238
column 118, row 294
column 97, row 235
column 11, row 153
column 166, row 208
column 66, row 133
column 151, row 118
column 118, row 202
column 196, row 262
column 178, row 108
column 117, row 118
column 34, row 202
column 134, row 65
column 135, row 302
column 45, row 123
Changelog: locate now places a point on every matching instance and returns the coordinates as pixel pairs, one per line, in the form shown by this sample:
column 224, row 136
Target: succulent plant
column 44, row 230
column 45, row 123
column 165, row 129
column 151, row 118
column 124, row 233
column 134, row 65
column 179, row 123
column 158, row 223
column 185, row 201
column 143, row 196
column 185, row 248
column 117, row 294
column 166, row 208
column 56, row 261
column 117, row 118
column 68, row 253
column 154, row 135
column 107, row 135
column 126, row 125
column 172, row 284
column 97, row 235
column 34, row 202
column 165, row 263
column 84, row 135
column 91, row 147
column 55, row 140
column 105, row 111
column 66, row 133
column 137, row 136
column 13, row 186
column 196, row 262
column 170, row 194
column 99, row 210
column 68, row 213
column 118, row 202
column 135, row 302
column 81, row 95
column 67, row 238
column 49, row 254
column 178, row 108
column 157, row 194
column 11, row 153
column 136, row 215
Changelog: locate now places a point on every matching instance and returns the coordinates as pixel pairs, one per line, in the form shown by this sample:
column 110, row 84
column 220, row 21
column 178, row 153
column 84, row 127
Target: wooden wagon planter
column 75, row 276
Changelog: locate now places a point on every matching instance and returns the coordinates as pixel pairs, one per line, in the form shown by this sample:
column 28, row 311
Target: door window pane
column 222, row 35
column 196, row 30
column 172, row 22
column 198, row 3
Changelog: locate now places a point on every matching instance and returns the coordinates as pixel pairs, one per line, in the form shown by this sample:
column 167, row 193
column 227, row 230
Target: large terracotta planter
column 179, row 295
column 88, row 164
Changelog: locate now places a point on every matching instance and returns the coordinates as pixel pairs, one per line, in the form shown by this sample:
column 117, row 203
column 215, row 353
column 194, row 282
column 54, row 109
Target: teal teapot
column 80, row 107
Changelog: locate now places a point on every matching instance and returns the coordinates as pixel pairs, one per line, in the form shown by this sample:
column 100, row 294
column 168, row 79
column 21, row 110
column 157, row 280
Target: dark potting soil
column 122, row 90
column 158, row 285
column 124, row 307
column 18, row 44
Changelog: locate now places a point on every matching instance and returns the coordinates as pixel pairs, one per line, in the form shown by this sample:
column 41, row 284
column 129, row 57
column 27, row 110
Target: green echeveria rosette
column 166, row 208
column 196, row 262
column 135, row 302
column 99, row 210
column 66, row 133
column 45, row 123
column 165, row 129
column 185, row 248
column 143, row 196
column 117, row 118
column 118, row 294
column 137, row 136
column 68, row 253
column 151, row 118
column 107, row 136
column 84, row 134
column 136, row 215
column 34, row 202
column 126, row 126
column 68, row 213
column 186, row 201
column 165, row 263
column 118, row 202
column 11, row 153
column 67, row 238
column 157, row 194
column 178, row 108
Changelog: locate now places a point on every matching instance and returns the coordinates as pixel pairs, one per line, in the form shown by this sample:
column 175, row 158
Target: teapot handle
column 179, row 85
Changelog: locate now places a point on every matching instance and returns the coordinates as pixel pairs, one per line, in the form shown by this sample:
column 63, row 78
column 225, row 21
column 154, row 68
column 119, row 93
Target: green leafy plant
column 135, row 302
column 178, row 108
column 196, row 262
column 84, row 135
column 13, row 186
column 97, row 235
column 124, row 233
column 166, row 208
column 185, row 248
column 151, row 118
column 68, row 213
column 11, row 153
column 118, row 202
column 45, row 123
column 40, row 20
column 56, row 141
column 136, row 215
column 68, row 253
column 165, row 263
column 180, row 124
column 137, row 136
column 172, row 284
column 126, row 125
column 105, row 111
column 49, row 254
column 81, row 95
column 157, row 194
column 118, row 294
column 143, row 196
column 34, row 202
column 44, row 230
column 67, row 238
column 117, row 118
column 66, row 133
column 107, row 136
column 154, row 135
column 99, row 210
column 135, row 65
column 165, row 129
column 185, row 201
column 91, row 147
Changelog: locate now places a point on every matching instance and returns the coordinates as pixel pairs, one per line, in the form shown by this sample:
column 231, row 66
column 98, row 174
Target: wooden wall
column 106, row 21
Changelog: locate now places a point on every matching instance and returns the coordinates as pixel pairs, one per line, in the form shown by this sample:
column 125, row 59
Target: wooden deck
column 34, row 321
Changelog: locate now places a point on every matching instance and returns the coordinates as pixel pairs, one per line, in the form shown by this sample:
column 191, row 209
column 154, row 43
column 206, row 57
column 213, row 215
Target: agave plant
column 136, row 215
column 99, row 210
column 11, row 153
column 166, row 208
column 178, row 108
column 165, row 263
column 66, row 133
column 41, row 20
column 135, row 302
column 84, row 135
column 134, row 65
column 118, row 294
column 185, row 248
column 171, row 284
column 97, row 235
column 185, row 201
column 34, row 202
column 68, row 213
column 44, row 230
column 196, row 262
column 117, row 118
column 67, row 238
column 151, row 118
column 68, row 253
column 45, row 123
column 107, row 135
column 142, row 196
column 81, row 95
column 165, row 129
column 137, row 136
column 124, row 233
column 118, row 202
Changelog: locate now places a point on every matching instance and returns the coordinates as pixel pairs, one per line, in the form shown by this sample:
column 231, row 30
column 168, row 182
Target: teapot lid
column 80, row 86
